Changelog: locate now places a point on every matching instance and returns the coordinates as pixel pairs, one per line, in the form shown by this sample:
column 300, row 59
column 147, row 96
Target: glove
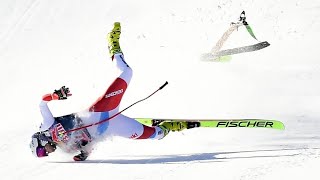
column 62, row 93
column 81, row 157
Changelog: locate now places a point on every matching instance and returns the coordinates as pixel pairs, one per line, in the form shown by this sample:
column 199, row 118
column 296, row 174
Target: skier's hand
column 62, row 93
column 81, row 157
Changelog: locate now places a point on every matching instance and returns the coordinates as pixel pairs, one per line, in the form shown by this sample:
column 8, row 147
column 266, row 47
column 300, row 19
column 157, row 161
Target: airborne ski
column 220, row 123
column 216, row 54
column 254, row 47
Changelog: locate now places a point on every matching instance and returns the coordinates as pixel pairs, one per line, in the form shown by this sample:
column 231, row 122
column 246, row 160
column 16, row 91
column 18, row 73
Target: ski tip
column 266, row 43
column 277, row 125
column 273, row 124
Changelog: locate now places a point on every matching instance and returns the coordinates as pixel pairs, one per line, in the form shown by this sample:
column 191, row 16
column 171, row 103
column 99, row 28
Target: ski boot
column 168, row 126
column 189, row 124
column 113, row 39
column 172, row 126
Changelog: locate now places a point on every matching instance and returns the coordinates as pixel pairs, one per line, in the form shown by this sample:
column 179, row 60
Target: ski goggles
column 41, row 152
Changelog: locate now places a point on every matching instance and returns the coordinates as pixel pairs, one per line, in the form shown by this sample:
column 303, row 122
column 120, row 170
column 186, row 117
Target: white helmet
column 37, row 146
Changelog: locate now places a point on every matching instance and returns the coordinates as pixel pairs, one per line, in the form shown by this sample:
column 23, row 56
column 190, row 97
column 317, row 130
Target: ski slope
column 46, row 44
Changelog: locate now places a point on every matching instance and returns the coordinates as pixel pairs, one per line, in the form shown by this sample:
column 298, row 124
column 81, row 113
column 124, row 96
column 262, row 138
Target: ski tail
column 221, row 123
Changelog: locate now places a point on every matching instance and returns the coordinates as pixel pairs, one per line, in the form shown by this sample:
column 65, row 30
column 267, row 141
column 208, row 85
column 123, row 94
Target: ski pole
column 82, row 127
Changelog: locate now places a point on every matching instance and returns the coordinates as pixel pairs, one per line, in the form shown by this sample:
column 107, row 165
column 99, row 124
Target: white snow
column 46, row 44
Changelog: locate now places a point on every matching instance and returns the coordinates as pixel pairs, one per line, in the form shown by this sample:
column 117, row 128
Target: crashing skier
column 72, row 134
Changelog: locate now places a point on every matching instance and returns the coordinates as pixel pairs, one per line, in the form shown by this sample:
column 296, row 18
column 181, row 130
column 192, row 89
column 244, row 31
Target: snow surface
column 46, row 44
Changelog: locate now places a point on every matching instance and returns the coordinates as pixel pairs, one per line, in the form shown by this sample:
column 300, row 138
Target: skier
column 54, row 130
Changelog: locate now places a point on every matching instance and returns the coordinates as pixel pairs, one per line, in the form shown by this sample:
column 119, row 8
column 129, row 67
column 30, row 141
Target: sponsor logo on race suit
column 114, row 93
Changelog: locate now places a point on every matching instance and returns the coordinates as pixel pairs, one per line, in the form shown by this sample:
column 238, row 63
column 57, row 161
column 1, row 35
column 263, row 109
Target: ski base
column 215, row 57
column 221, row 123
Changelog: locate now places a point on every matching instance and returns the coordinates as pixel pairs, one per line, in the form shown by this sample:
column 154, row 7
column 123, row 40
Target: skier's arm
column 48, row 118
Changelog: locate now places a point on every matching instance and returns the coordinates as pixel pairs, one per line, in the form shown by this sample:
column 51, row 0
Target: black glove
column 81, row 157
column 62, row 93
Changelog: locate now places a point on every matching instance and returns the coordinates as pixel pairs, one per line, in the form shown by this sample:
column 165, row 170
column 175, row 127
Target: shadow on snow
column 197, row 158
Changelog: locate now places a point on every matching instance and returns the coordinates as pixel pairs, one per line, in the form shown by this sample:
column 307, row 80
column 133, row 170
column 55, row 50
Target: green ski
column 220, row 123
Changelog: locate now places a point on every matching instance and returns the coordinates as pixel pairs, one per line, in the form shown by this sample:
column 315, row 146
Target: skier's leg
column 130, row 128
column 110, row 100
